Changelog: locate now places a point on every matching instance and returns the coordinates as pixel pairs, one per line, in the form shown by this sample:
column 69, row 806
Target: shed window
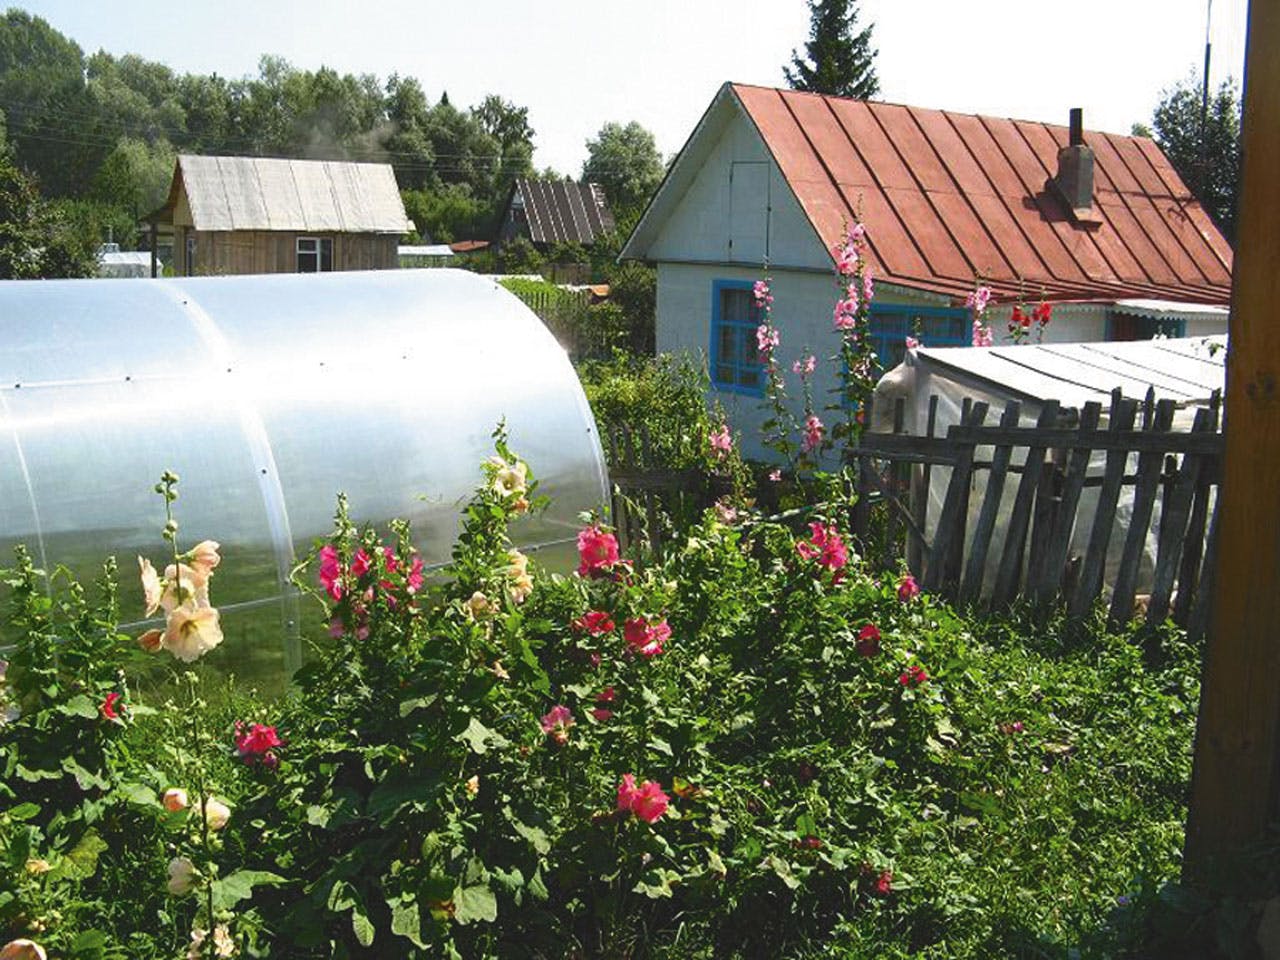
column 190, row 264
column 1124, row 326
column 315, row 254
column 892, row 323
column 735, row 361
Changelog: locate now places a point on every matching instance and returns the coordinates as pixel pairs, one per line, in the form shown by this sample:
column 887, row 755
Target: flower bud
column 175, row 799
column 22, row 950
column 216, row 814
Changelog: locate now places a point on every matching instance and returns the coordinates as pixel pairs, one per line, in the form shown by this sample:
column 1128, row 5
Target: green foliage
column 35, row 240
column 1206, row 156
column 956, row 788
column 625, row 161
column 839, row 60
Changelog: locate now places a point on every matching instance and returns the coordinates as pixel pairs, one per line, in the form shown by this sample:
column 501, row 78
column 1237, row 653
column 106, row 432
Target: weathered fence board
column 1010, row 570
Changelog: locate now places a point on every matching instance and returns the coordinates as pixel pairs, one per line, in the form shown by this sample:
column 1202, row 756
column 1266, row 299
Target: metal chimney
column 1074, row 180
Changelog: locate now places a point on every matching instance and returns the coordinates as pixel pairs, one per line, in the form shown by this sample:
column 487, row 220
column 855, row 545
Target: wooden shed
column 236, row 215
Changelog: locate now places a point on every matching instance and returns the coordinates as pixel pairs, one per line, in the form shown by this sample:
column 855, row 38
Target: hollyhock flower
column 37, row 866
column 806, row 366
column 520, row 588
column 913, row 676
column 174, row 800
column 1009, row 729
column 767, row 340
column 721, row 442
column 760, row 290
column 725, row 511
column 978, row 299
column 812, row 433
column 151, row 588
column 258, row 744
column 182, row 876
column 846, row 257
column 108, row 708
column 650, row 802
column 556, row 723
column 597, row 551
column 908, row 589
column 223, row 945
column 912, row 343
column 627, row 792
column 216, row 814
column 472, row 786
column 595, row 623
column 775, row 476
column 191, row 632
column 868, row 286
column 1042, row 313
column 480, row 607
column 868, row 644
column 644, row 637
column 509, row 479
column 846, row 311
column 884, row 883
column 825, row 546
column 204, row 557
column 982, row 335
column 22, row 950
column 331, row 571
column 607, row 695
column 601, row 714
column 361, row 563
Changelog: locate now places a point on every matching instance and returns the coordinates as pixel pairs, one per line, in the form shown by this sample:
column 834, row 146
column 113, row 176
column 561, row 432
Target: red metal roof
column 946, row 197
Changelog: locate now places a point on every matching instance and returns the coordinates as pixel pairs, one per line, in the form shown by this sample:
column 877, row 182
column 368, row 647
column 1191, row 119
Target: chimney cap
column 1077, row 127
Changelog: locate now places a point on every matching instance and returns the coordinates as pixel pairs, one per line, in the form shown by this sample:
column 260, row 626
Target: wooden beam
column 1236, row 783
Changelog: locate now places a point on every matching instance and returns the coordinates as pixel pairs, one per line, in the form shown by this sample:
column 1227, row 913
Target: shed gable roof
column 562, row 211
column 265, row 193
column 947, row 197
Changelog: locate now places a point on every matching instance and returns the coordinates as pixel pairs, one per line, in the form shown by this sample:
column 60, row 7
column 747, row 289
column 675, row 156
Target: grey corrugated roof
column 561, row 211
column 263, row 193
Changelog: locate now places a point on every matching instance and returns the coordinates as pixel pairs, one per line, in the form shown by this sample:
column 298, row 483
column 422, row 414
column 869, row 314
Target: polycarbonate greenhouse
column 268, row 395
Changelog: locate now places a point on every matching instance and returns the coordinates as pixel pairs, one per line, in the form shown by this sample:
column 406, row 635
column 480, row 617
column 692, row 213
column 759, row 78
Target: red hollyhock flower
column 108, row 707
column 607, row 695
column 868, row 644
column 913, row 676
column 593, row 622
column 1042, row 313
column 258, row 744
column 884, row 883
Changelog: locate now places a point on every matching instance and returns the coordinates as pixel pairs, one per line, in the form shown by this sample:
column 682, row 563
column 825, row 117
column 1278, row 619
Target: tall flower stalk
column 855, row 290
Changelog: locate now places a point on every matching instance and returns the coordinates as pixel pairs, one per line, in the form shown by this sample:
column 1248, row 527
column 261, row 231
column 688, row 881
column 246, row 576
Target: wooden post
column 1236, row 784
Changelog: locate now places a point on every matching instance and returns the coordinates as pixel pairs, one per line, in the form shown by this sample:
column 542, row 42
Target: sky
column 578, row 65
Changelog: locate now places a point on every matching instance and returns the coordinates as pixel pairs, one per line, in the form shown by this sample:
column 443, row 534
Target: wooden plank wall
column 225, row 252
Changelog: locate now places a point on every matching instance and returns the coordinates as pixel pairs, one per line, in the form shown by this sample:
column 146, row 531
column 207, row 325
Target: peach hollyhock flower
column 35, row 866
column 216, row 814
column 22, row 950
column 191, row 632
column 908, row 589
column 597, row 550
column 182, row 876
column 204, row 557
column 509, row 479
column 151, row 641
column 473, row 786
column 479, row 606
column 223, row 945
column 175, row 799
column 151, row 588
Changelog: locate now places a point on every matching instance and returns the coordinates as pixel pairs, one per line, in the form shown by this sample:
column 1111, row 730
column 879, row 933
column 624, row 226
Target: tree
column 34, row 241
column 838, row 60
column 1210, row 163
column 626, row 163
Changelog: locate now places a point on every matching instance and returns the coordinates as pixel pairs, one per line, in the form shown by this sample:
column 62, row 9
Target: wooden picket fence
column 1181, row 471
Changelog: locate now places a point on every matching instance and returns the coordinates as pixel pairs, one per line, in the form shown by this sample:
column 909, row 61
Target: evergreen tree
column 839, row 60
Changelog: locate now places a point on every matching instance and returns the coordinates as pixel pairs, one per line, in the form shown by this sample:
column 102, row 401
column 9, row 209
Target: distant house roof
column 468, row 246
column 262, row 193
column 946, row 197
column 561, row 211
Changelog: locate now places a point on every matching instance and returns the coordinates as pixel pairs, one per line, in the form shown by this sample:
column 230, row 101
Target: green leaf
column 138, row 793
column 417, row 703
column 82, row 862
column 661, row 746
column 342, row 896
column 656, row 883
column 89, row 945
column 79, row 706
column 231, row 889
column 783, row 871
column 480, row 738
column 362, row 927
column 406, row 921
column 24, row 811
column 536, row 836
column 474, row 903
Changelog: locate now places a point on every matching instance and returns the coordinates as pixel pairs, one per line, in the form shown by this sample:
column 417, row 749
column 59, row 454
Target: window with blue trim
column 892, row 323
column 735, row 359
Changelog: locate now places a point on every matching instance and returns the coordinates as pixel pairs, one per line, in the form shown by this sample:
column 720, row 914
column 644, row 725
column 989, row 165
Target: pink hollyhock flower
column 806, row 366
column 644, row 637
column 725, row 511
column 825, row 546
column 775, row 476
column 868, row 286
column 912, row 343
column 884, row 883
column 913, row 676
column 556, row 723
column 389, row 559
column 767, row 338
column 650, row 802
column 258, row 744
column 846, row 257
column 627, row 792
column 596, row 623
column 597, row 550
column 361, row 563
column 331, row 571
column 204, row 557
column 760, row 290
column 108, row 708
column 846, row 312
column 868, row 644
column 721, row 442
column 978, row 299
column 908, row 589
column 812, row 433
column 982, row 335
column 415, row 578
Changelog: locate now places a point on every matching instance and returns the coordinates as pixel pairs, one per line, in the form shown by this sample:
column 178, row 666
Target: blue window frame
column 892, row 323
column 735, row 359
